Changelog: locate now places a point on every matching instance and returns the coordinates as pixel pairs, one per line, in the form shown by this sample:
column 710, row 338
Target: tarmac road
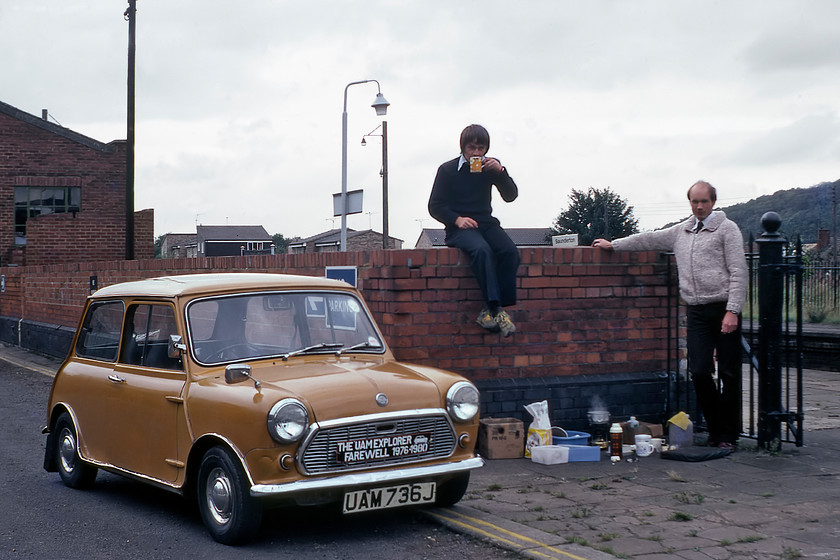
column 748, row 505
column 118, row 518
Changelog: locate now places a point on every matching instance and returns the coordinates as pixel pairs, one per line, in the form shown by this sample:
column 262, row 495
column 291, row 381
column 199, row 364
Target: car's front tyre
column 229, row 512
column 450, row 492
column 74, row 472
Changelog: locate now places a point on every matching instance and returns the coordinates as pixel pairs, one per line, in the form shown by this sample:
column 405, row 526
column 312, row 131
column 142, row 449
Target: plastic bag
column 539, row 432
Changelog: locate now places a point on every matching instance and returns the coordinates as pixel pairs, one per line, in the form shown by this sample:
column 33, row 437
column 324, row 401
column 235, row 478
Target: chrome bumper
column 364, row 479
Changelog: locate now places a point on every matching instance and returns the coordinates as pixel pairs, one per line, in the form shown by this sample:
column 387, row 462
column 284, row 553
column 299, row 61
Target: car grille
column 321, row 453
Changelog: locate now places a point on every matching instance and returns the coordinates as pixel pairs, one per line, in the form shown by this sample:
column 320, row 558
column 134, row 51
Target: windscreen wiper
column 319, row 346
column 355, row 347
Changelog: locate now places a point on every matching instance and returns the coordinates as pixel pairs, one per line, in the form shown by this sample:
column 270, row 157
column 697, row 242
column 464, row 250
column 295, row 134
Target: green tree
column 596, row 213
column 281, row 244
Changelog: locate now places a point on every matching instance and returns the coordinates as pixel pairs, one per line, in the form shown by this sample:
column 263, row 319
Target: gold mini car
column 254, row 390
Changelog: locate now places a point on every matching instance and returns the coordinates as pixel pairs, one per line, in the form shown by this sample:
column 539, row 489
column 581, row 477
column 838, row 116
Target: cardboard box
column 655, row 430
column 501, row 438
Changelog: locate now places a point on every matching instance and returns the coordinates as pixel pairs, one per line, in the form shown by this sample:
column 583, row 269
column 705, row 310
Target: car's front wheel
column 450, row 492
column 229, row 512
column 74, row 472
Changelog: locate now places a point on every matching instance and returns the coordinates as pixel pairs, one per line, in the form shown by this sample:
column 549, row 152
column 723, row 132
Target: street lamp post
column 381, row 107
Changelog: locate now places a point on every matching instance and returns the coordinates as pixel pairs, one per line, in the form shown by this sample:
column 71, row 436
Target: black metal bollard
column 771, row 275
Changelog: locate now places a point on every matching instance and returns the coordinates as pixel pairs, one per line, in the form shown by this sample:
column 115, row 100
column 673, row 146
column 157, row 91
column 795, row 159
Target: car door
column 84, row 386
column 146, row 408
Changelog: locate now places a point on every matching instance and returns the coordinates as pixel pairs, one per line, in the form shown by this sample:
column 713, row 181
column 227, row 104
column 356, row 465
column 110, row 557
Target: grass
column 751, row 539
column 790, row 554
column 689, row 498
column 581, row 513
column 680, row 516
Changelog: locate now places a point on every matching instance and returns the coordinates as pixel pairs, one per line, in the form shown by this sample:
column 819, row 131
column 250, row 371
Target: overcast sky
column 238, row 116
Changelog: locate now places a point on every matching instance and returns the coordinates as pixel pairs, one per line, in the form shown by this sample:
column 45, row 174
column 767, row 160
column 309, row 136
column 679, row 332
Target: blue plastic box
column 583, row 453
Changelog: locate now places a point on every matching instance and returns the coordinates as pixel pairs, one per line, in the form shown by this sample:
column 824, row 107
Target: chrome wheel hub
column 219, row 496
column 67, row 451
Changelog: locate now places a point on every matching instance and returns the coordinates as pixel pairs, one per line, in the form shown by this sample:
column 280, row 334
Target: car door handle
column 116, row 379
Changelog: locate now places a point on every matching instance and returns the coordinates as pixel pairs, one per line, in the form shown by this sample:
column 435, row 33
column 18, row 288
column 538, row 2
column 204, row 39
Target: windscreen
column 262, row 325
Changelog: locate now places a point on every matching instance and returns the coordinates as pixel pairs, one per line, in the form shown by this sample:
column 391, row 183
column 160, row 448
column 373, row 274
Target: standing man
column 460, row 200
column 713, row 282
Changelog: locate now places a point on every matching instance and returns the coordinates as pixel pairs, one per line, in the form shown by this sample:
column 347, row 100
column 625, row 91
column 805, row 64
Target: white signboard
column 567, row 240
column 354, row 202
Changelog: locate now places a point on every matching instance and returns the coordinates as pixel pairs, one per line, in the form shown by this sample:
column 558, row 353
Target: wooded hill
column 804, row 211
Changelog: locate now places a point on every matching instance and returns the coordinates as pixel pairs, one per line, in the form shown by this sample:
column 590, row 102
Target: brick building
column 62, row 195
column 330, row 241
column 218, row 241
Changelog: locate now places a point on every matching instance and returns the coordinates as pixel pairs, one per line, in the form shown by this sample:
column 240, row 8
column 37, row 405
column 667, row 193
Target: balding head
column 712, row 192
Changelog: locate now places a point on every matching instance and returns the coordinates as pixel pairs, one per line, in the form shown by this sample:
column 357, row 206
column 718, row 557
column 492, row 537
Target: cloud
column 813, row 138
column 788, row 47
column 239, row 105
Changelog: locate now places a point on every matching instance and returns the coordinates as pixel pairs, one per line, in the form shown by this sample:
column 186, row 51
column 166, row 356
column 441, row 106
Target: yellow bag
column 539, row 432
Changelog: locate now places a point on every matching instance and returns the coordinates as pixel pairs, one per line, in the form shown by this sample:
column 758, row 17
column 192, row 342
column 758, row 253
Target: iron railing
column 809, row 295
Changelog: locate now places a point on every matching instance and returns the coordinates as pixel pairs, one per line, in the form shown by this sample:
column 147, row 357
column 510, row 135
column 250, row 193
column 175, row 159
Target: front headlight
column 287, row 420
column 462, row 401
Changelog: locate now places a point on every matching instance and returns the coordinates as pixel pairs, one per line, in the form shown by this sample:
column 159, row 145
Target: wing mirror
column 236, row 373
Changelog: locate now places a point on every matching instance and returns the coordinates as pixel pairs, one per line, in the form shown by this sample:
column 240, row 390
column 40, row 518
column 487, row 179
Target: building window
column 31, row 202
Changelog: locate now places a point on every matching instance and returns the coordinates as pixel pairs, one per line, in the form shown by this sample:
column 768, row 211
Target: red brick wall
column 46, row 155
column 581, row 311
column 144, row 234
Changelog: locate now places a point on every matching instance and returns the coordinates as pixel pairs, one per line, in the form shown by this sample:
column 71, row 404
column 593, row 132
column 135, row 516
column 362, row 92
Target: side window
column 99, row 338
column 146, row 340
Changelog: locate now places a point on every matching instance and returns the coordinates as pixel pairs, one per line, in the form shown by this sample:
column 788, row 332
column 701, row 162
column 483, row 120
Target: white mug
column 657, row 444
column 644, row 447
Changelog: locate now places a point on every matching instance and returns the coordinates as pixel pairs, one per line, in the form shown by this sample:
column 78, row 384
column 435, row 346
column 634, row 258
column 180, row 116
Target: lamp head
column 380, row 104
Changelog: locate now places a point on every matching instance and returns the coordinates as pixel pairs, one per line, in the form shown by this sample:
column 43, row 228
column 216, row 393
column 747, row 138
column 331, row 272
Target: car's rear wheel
column 450, row 492
column 229, row 512
column 74, row 472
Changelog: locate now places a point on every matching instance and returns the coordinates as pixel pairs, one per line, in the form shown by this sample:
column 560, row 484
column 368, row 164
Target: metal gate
column 772, row 331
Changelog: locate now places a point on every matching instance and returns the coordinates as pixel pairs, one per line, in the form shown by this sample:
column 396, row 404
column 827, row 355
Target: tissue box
column 583, row 453
column 550, row 454
column 501, row 438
